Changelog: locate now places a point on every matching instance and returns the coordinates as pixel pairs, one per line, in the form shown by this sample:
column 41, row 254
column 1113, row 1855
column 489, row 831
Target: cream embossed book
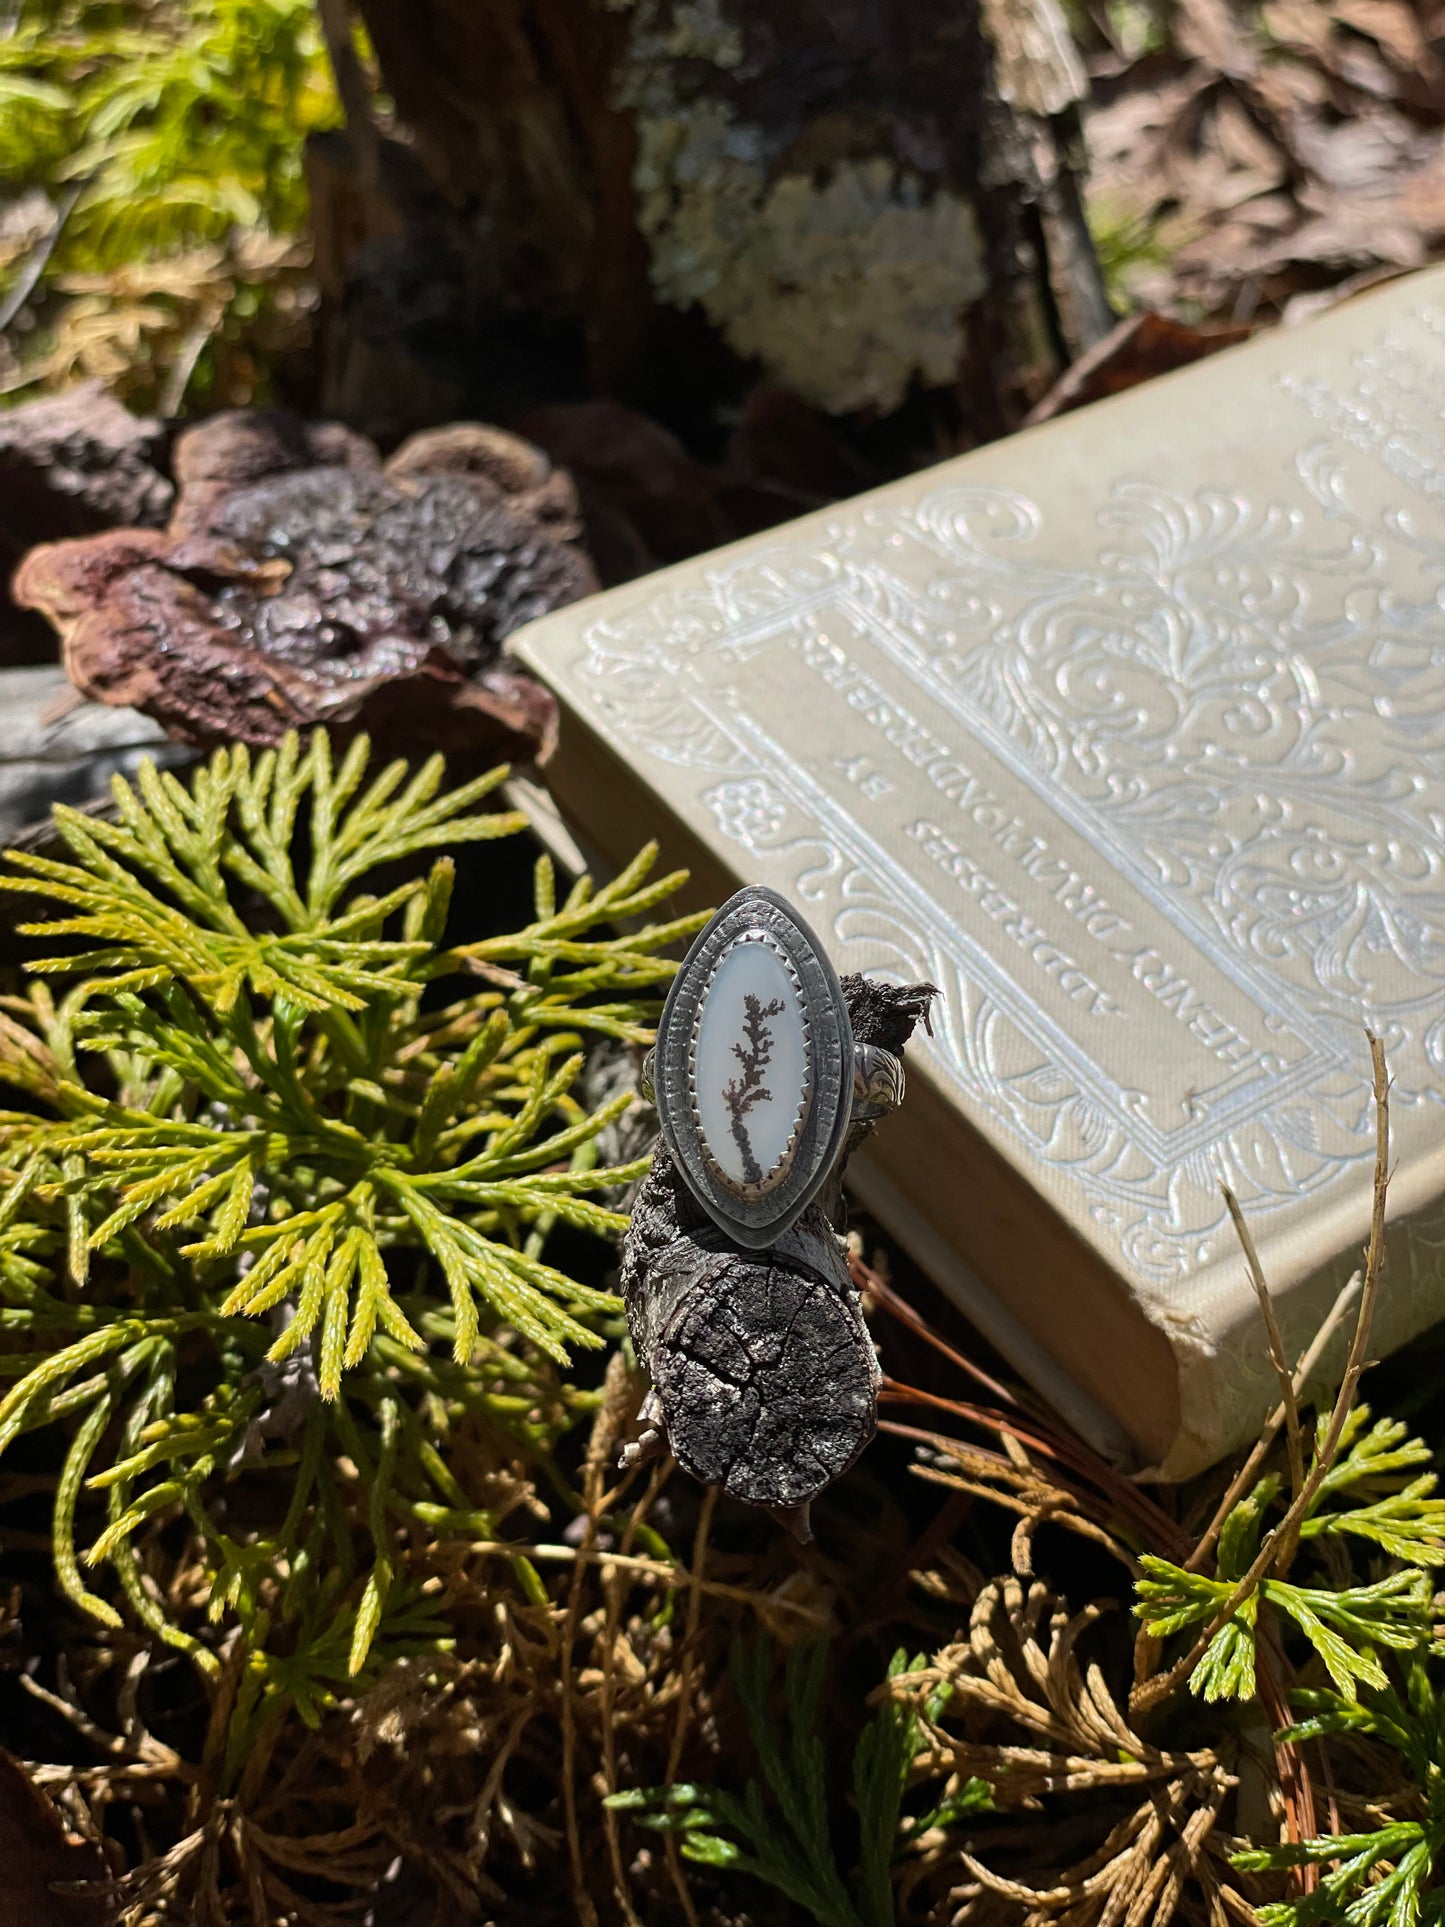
column 1128, row 732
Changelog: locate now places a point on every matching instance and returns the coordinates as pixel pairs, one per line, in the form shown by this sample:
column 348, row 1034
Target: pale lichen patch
column 847, row 281
column 700, row 32
column 688, row 30
column 846, row 289
column 853, row 289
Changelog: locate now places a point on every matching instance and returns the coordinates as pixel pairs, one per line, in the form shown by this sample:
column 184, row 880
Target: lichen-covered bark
column 859, row 197
column 765, row 1380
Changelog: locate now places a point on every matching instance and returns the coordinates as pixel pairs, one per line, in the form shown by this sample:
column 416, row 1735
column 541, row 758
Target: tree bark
column 859, row 202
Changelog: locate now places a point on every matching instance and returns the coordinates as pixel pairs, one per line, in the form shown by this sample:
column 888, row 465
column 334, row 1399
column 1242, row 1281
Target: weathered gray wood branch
column 764, row 1377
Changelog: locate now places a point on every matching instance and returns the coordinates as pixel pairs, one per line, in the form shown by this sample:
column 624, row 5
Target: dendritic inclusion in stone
column 751, row 1079
column 752, row 1072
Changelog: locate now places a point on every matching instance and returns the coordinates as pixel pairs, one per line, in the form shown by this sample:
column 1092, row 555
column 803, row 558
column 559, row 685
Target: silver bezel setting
column 756, row 1215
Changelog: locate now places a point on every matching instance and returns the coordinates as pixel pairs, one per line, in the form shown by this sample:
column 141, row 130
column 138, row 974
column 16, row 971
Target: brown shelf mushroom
column 301, row 581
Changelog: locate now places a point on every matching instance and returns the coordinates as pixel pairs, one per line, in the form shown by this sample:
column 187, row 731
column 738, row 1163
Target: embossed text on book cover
column 1128, row 732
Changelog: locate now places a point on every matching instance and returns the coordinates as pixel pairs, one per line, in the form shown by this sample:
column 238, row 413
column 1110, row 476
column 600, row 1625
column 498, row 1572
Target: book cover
column 1129, row 733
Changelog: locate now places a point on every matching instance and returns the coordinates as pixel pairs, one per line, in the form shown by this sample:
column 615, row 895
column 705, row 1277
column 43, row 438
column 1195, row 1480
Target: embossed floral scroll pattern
column 1243, row 701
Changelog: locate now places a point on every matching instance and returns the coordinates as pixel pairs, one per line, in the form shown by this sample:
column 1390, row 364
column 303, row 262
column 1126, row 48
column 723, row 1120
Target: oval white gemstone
column 750, row 1065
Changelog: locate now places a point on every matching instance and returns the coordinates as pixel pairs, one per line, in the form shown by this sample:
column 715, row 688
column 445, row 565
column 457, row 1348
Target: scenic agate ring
column 768, row 1073
column 755, row 1073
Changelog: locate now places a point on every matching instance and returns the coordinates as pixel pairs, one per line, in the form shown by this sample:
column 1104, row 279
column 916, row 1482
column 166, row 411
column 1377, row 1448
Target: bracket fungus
column 301, row 581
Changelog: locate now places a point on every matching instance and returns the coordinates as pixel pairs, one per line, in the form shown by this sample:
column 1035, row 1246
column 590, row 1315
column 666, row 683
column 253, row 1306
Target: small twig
column 123, row 1773
column 61, row 705
column 674, row 1576
column 1374, row 1262
column 1290, row 1766
column 694, row 1609
column 661, row 1472
column 1369, row 1298
column 111, row 1743
column 1281, row 1540
column 1276, row 1344
column 335, row 17
column 1247, row 1473
column 586, row 1911
column 178, row 380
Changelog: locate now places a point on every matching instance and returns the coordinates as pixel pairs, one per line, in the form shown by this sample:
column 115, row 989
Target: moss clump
column 163, row 147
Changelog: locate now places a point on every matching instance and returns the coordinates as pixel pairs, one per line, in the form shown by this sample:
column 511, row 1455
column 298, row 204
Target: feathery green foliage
column 1389, row 1877
column 159, row 130
column 1373, row 1494
column 1372, row 1499
column 276, row 1203
column 778, row 1830
column 179, row 122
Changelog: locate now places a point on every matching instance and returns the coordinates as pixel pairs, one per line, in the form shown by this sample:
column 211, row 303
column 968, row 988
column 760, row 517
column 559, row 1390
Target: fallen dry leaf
column 1266, row 151
column 1141, row 347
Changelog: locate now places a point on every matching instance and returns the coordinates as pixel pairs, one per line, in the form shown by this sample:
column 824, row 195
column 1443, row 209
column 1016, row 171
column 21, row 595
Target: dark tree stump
column 662, row 201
